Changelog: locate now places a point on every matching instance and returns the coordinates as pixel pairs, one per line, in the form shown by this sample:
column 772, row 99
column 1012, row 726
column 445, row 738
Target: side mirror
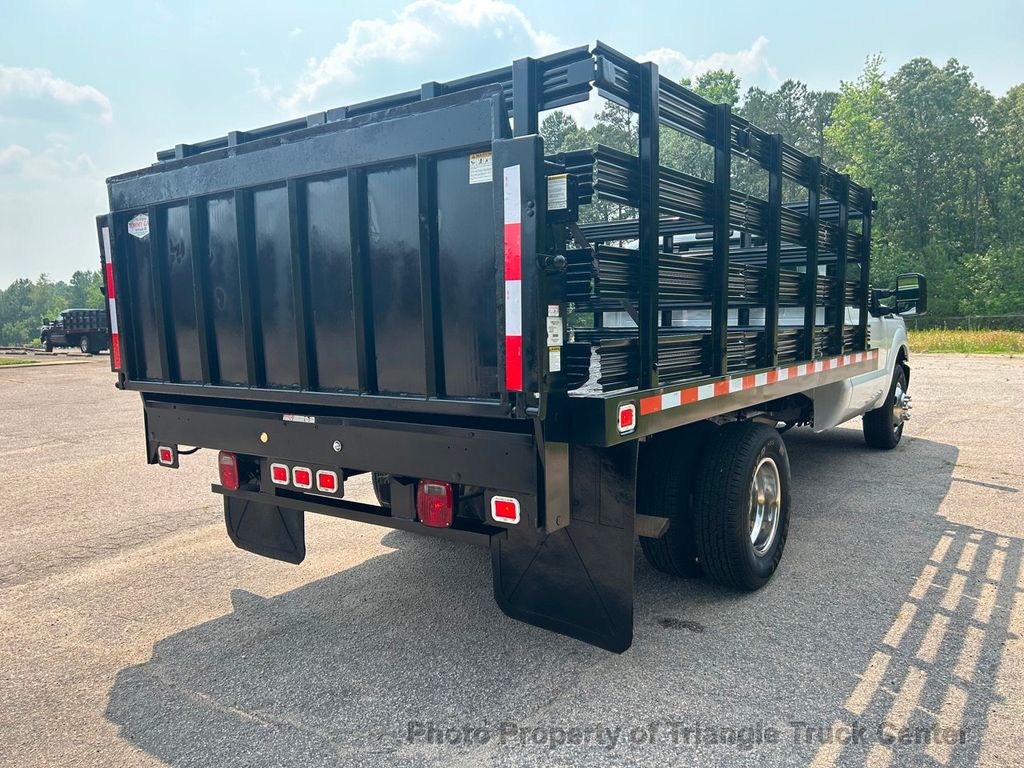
column 911, row 294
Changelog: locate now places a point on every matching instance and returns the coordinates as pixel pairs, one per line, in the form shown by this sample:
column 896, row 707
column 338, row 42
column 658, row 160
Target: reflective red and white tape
column 513, row 281
column 668, row 400
column 108, row 266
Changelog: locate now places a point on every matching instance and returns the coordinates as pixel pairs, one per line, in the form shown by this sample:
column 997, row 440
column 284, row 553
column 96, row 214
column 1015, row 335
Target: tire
column 664, row 485
column 85, row 345
column 883, row 427
column 382, row 488
column 723, row 505
column 48, row 344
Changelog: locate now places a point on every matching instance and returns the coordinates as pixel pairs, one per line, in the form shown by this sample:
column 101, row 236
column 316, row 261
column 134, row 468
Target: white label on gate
column 554, row 331
column 480, row 168
column 558, row 192
column 138, row 226
column 554, row 359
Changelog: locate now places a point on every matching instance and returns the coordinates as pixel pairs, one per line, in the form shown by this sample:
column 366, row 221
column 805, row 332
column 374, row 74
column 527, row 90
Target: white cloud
column 55, row 163
column 13, row 155
column 296, row 31
column 21, row 83
column 417, row 31
column 260, row 88
column 745, row 63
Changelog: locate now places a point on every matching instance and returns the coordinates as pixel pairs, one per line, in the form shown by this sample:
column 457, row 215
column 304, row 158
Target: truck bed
column 421, row 254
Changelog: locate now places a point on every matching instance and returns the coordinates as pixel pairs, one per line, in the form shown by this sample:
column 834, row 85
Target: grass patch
column 978, row 342
column 15, row 361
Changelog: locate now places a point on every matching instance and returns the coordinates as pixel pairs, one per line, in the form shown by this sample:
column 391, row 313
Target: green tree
column 561, row 133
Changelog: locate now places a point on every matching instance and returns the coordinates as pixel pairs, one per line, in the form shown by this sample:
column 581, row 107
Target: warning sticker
column 480, row 168
column 554, row 331
column 554, row 359
column 553, row 310
column 558, row 191
column 139, row 226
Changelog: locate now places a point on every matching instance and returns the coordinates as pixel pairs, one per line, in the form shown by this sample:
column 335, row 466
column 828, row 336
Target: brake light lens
column 627, row 418
column 434, row 503
column 302, row 477
column 279, row 474
column 326, row 481
column 505, row 509
column 165, row 455
column 227, row 464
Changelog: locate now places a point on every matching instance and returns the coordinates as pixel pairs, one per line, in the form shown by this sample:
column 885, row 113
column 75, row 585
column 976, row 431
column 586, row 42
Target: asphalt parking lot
column 133, row 633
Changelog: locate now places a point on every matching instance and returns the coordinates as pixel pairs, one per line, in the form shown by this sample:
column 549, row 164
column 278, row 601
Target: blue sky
column 88, row 90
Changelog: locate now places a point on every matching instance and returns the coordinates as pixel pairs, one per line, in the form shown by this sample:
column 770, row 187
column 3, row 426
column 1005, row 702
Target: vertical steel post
column 525, row 97
column 123, row 286
column 811, row 278
column 774, row 250
column 161, row 302
column 843, row 229
column 426, row 178
column 865, row 267
column 648, row 125
column 200, row 280
column 300, row 285
column 430, row 90
column 252, row 331
column 720, row 240
column 362, row 298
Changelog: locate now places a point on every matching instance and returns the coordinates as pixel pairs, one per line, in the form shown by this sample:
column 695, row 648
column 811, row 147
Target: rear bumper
column 467, row 532
column 483, row 457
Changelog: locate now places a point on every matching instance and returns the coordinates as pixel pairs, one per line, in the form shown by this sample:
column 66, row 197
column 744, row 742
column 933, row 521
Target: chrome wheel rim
column 900, row 408
column 765, row 505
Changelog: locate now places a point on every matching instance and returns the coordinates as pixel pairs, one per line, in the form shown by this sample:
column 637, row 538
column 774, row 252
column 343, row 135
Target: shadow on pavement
column 883, row 611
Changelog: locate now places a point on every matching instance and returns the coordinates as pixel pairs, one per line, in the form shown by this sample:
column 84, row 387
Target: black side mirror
column 911, row 294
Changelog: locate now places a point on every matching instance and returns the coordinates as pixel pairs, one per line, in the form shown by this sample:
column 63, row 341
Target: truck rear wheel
column 85, row 344
column 883, row 427
column 741, row 505
column 664, row 487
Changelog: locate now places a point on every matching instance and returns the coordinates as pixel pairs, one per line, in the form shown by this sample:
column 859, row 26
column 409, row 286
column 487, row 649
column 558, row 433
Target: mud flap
column 578, row 580
column 266, row 529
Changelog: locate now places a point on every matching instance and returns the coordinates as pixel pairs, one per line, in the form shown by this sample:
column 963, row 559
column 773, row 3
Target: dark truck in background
column 87, row 329
column 387, row 288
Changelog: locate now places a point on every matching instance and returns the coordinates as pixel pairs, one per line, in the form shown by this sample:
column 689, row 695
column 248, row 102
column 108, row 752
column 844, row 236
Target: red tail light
column 626, row 418
column 302, row 477
column 326, row 481
column 227, row 464
column 434, row 503
column 280, row 474
column 505, row 509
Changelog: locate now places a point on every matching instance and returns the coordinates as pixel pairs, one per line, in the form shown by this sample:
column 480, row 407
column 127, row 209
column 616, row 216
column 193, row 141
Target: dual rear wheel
column 726, row 492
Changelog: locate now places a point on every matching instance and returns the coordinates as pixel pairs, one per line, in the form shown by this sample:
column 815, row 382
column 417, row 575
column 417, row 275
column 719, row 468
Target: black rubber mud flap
column 578, row 581
column 266, row 529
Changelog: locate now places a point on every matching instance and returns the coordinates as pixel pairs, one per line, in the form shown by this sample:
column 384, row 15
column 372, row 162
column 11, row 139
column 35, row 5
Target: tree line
column 942, row 155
